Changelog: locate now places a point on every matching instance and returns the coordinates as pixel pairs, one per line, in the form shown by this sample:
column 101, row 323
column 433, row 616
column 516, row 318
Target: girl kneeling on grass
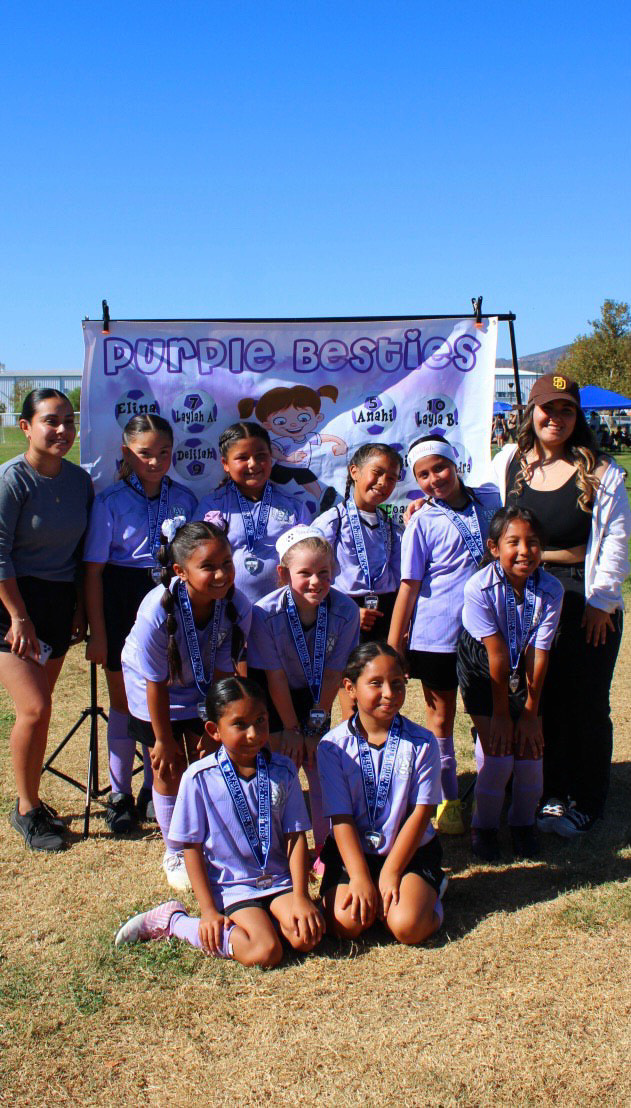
column 380, row 777
column 240, row 820
column 510, row 616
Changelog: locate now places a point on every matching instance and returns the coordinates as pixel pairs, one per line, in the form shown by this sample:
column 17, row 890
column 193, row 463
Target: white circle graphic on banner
column 376, row 414
column 193, row 412
column 135, row 402
column 464, row 463
column 437, row 414
column 192, row 458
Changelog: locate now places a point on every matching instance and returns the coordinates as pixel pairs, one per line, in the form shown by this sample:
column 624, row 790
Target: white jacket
column 607, row 554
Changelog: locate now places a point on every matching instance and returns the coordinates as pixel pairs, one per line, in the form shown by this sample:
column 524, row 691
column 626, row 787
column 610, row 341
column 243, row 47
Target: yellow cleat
column 449, row 818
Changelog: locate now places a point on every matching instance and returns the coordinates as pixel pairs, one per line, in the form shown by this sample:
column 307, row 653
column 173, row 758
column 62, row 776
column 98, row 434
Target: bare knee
column 266, row 951
column 35, row 714
column 412, row 929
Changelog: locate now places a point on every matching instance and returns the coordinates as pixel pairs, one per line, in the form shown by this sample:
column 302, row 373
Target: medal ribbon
column 261, row 840
column 253, row 535
column 313, row 673
column 376, row 792
column 360, row 545
column 154, row 533
column 468, row 529
column 192, row 640
column 530, row 599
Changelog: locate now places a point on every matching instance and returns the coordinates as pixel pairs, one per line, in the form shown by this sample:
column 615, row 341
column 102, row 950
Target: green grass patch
column 597, row 909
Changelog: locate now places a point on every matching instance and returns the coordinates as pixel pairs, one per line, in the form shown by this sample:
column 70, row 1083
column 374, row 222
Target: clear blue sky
column 294, row 157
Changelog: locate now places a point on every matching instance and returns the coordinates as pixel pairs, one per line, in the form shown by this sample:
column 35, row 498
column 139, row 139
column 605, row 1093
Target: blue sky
column 276, row 158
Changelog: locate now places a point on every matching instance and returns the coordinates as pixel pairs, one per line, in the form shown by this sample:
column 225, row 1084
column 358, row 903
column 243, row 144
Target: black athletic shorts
column 475, row 682
column 124, row 587
column 437, row 671
column 426, row 862
column 263, row 902
column 284, row 474
column 51, row 606
column 141, row 731
column 301, row 700
column 381, row 628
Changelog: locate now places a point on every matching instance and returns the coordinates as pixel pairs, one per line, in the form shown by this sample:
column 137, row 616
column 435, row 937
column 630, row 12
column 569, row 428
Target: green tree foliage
column 74, row 396
column 603, row 357
column 20, row 390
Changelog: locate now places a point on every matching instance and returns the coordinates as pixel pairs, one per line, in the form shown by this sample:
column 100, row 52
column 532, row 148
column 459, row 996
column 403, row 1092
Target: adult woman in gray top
column 44, row 503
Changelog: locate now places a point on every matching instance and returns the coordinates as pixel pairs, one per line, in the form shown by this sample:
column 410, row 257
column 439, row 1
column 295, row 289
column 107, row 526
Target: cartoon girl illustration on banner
column 291, row 416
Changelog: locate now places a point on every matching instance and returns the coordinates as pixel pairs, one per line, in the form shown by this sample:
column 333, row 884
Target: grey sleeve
column 11, row 504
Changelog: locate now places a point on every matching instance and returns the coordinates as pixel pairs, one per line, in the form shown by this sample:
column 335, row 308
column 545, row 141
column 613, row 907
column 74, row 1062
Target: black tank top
column 564, row 523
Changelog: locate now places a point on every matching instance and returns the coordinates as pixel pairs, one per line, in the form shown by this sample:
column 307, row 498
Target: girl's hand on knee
column 362, row 899
column 211, row 927
column 292, row 745
column 529, row 734
column 501, row 736
column 308, row 923
column 167, row 759
column 389, row 885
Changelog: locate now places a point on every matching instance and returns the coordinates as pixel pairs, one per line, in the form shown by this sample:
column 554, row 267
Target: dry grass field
column 523, row 998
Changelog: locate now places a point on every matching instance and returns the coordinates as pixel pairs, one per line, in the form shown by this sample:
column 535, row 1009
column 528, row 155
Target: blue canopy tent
column 500, row 406
column 593, row 399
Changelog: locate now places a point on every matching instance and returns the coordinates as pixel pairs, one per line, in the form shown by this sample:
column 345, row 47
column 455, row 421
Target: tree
column 604, row 357
column 74, row 396
column 20, row 390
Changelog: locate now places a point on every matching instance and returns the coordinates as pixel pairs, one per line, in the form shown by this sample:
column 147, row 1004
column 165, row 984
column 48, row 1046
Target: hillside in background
column 544, row 361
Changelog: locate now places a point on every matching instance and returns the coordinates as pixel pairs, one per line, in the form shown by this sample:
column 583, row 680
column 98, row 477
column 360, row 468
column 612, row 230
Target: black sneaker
column 328, row 499
column 36, row 829
column 55, row 822
column 484, row 844
column 525, row 842
column 144, row 806
column 120, row 813
column 574, row 823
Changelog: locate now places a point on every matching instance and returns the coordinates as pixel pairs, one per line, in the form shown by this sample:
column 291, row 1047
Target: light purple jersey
column 205, row 813
column 118, row 531
column 434, row 553
column 415, row 780
column 385, row 564
column 484, row 612
column 285, row 512
column 271, row 645
column 305, row 444
column 144, row 655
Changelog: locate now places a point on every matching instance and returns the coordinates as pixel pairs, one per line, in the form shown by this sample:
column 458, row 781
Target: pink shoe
column 154, row 924
column 318, row 867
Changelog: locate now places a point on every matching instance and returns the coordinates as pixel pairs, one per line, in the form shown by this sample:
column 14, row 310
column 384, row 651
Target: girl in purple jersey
column 120, row 551
column 442, row 546
column 510, row 616
column 380, row 778
column 240, row 819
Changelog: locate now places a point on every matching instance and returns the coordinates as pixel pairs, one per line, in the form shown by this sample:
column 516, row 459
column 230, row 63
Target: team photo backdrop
column 320, row 388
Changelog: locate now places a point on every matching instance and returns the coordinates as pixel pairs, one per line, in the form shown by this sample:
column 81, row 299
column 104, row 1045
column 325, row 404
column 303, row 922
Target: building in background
column 62, row 379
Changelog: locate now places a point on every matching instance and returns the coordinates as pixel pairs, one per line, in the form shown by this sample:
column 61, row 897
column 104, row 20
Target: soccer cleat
column 154, row 924
column 449, row 819
column 36, row 829
column 549, row 815
column 120, row 813
column 525, row 842
column 174, row 867
column 484, row 844
column 144, row 806
column 574, row 823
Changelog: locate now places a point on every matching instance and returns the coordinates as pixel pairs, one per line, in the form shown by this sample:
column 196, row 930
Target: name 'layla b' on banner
column 320, row 388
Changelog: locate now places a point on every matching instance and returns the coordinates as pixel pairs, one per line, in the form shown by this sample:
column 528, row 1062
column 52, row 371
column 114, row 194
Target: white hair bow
column 170, row 527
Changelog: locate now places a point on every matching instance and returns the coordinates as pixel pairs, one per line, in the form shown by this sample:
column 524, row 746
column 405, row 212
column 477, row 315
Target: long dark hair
column 581, row 449
column 363, row 455
column 229, row 689
column 179, row 551
column 140, row 425
column 35, row 397
column 469, row 493
column 365, row 653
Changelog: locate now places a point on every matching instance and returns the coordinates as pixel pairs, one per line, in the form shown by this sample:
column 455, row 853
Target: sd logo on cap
column 559, row 382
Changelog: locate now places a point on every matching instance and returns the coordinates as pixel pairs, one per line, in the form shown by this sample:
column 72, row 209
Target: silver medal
column 374, row 839
column 371, row 601
column 317, row 719
column 264, row 881
column 201, row 711
column 156, row 574
column 252, row 564
column 513, row 682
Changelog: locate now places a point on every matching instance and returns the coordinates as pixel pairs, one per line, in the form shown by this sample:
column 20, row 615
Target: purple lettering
column 179, row 350
column 149, row 355
column 436, row 353
column 389, row 355
column 305, row 356
column 333, row 354
column 210, row 353
column 117, row 355
column 236, row 355
column 465, row 349
column 259, row 355
column 362, row 355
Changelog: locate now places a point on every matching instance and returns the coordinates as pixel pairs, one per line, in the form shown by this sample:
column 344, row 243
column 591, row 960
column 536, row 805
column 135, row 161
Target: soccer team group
column 228, row 627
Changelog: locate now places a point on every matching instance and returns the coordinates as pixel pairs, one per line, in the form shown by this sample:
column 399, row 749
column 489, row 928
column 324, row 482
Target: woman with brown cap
column 557, row 470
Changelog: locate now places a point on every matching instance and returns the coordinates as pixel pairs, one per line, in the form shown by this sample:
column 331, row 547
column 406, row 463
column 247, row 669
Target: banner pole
column 513, row 347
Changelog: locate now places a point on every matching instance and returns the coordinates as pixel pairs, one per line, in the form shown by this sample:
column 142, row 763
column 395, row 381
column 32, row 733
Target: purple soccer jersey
column 415, row 780
column 434, row 553
column 271, row 645
column 205, row 813
column 285, row 512
column 118, row 529
column 484, row 612
column 383, row 551
column 144, row 655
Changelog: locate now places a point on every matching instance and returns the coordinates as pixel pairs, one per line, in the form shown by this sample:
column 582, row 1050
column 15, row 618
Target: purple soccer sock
column 448, row 776
column 440, row 912
column 490, row 787
column 187, row 928
column 527, row 790
column 164, row 806
column 321, row 825
column 147, row 782
column 121, row 752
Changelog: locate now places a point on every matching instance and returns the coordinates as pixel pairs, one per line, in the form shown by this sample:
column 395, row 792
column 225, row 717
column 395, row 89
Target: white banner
column 321, row 389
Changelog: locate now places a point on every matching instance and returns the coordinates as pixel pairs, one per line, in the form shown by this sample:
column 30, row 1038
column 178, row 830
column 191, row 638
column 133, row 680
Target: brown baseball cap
column 554, row 386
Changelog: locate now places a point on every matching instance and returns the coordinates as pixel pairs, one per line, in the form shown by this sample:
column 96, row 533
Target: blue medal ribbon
column 468, row 529
column 376, row 792
column 530, row 600
column 154, row 533
column 202, row 680
column 252, row 534
column 260, row 840
column 313, row 673
column 360, row 545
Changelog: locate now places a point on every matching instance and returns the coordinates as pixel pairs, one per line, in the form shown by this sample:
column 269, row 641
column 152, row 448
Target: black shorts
column 437, row 671
column 426, row 862
column 141, row 731
column 284, row 474
column 263, row 902
column 475, row 682
column 51, row 606
column 124, row 587
column 300, row 698
column 381, row 628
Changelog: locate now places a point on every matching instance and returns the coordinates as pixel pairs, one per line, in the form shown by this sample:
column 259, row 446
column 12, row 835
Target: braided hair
column 189, row 536
column 364, row 453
